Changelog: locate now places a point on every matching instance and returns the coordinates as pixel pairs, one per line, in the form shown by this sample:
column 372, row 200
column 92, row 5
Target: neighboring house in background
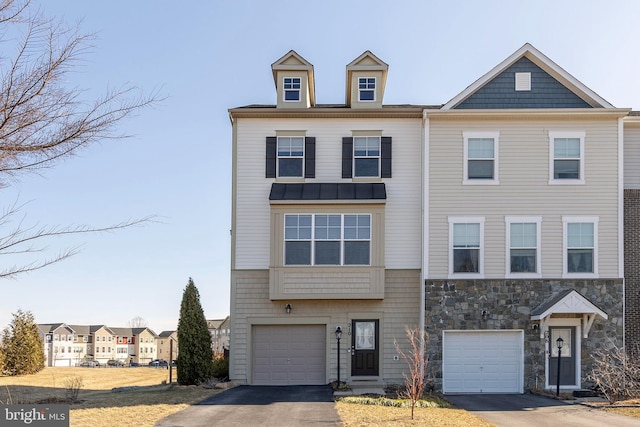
column 495, row 222
column 220, row 331
column 145, row 345
column 104, row 343
column 125, row 344
column 167, row 345
column 60, row 349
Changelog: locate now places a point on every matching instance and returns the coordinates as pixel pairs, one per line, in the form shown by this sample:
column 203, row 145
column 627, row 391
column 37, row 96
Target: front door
column 364, row 348
column 567, row 356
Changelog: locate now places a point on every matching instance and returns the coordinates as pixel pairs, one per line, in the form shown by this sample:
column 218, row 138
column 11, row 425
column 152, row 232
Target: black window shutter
column 310, row 157
column 385, row 155
column 347, row 157
column 270, row 170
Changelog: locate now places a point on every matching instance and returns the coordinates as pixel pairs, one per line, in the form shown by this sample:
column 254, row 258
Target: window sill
column 523, row 276
column 481, row 182
column 580, row 275
column 566, row 182
column 290, row 179
column 466, row 276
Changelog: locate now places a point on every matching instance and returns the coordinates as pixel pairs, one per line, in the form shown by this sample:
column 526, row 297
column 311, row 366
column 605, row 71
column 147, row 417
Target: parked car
column 134, row 364
column 114, row 362
column 159, row 363
column 88, row 364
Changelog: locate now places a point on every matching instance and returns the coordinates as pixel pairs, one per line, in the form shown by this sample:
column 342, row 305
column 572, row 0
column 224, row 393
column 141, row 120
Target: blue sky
column 209, row 56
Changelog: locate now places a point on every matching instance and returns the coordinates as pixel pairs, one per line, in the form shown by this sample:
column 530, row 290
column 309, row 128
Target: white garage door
column 289, row 354
column 482, row 361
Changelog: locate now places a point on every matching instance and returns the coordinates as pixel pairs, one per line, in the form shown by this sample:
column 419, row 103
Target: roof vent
column 523, row 81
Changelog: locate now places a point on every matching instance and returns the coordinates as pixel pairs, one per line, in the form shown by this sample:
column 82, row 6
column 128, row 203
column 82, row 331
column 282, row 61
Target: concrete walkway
column 265, row 406
column 525, row 410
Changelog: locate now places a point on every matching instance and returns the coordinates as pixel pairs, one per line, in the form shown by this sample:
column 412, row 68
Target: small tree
column 137, row 322
column 22, row 346
column 416, row 359
column 195, row 361
column 615, row 374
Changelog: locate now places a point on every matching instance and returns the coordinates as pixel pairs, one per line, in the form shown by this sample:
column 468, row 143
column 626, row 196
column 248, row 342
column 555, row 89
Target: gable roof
column 367, row 61
column 546, row 64
column 293, row 61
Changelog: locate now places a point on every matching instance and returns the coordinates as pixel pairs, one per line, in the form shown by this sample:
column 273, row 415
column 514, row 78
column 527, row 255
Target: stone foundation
column 459, row 304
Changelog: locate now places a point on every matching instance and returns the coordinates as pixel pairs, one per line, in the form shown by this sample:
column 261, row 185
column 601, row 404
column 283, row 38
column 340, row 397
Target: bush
column 615, row 374
column 220, row 368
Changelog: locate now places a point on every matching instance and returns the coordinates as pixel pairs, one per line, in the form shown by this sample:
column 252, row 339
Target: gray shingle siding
column 546, row 92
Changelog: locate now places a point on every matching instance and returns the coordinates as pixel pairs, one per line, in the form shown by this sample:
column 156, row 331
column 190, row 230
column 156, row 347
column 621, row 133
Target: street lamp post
column 559, row 343
column 338, row 336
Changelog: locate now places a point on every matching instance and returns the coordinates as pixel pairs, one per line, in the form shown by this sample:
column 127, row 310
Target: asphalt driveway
column 261, row 406
column 525, row 410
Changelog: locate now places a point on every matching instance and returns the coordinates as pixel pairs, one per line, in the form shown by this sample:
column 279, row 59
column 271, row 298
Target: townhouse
column 494, row 222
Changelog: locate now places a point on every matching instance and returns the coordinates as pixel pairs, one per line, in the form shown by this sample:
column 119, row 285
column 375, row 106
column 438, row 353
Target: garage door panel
column 289, row 354
column 482, row 361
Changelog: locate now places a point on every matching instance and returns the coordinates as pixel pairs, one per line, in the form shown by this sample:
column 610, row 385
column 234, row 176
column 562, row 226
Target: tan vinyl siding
column 524, row 190
column 632, row 156
column 252, row 306
column 402, row 209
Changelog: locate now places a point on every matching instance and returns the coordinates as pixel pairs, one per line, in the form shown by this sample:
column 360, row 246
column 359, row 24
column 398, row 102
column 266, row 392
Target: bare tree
column 615, row 373
column 137, row 322
column 415, row 381
column 43, row 120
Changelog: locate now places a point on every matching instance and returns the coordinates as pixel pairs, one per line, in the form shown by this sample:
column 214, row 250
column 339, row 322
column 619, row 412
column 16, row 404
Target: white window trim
column 379, row 157
column 518, row 220
column 278, row 157
column 375, row 89
column 284, row 90
column 572, row 219
column 465, row 173
column 566, row 134
column 467, row 220
column 313, row 240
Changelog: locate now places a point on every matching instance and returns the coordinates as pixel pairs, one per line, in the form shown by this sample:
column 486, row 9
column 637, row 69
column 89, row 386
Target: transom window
column 523, row 246
column 292, row 89
column 366, row 156
column 466, row 236
column 367, row 89
column 567, row 157
column 290, row 156
column 481, row 158
column 327, row 239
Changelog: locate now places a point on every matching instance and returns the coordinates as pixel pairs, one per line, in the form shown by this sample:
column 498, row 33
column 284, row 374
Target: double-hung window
column 523, row 246
column 327, row 239
column 580, row 246
column 566, row 154
column 466, row 245
column 481, row 157
column 290, row 156
column 367, row 89
column 366, row 156
column 292, row 89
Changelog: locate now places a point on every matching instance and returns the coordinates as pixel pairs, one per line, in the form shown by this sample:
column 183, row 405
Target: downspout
column 425, row 227
column 621, row 242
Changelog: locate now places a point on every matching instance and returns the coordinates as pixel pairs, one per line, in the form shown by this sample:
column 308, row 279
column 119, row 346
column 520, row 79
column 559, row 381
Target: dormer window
column 367, row 89
column 292, row 89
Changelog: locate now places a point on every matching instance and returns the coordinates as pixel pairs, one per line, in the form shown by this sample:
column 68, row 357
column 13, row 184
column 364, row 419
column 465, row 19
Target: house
column 145, row 345
column 326, row 230
column 125, row 345
column 502, row 223
column 523, row 229
column 167, row 345
column 219, row 329
column 61, row 346
column 104, row 343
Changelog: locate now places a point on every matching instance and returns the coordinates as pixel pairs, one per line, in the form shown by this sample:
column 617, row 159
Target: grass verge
column 365, row 411
column 144, row 400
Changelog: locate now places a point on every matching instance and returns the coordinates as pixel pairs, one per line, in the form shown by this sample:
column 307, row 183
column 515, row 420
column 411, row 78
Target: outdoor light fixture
column 559, row 343
column 485, row 314
column 288, row 308
column 338, row 337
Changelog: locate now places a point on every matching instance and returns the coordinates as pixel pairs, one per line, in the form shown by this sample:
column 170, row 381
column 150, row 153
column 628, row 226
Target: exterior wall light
column 288, row 308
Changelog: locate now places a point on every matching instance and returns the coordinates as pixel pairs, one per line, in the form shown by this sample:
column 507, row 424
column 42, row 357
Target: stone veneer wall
column 632, row 269
column 458, row 305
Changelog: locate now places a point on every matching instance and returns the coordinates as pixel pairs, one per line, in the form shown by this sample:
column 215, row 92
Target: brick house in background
column 494, row 221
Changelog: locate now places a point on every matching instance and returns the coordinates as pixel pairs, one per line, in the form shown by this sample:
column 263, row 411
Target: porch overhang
column 569, row 302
